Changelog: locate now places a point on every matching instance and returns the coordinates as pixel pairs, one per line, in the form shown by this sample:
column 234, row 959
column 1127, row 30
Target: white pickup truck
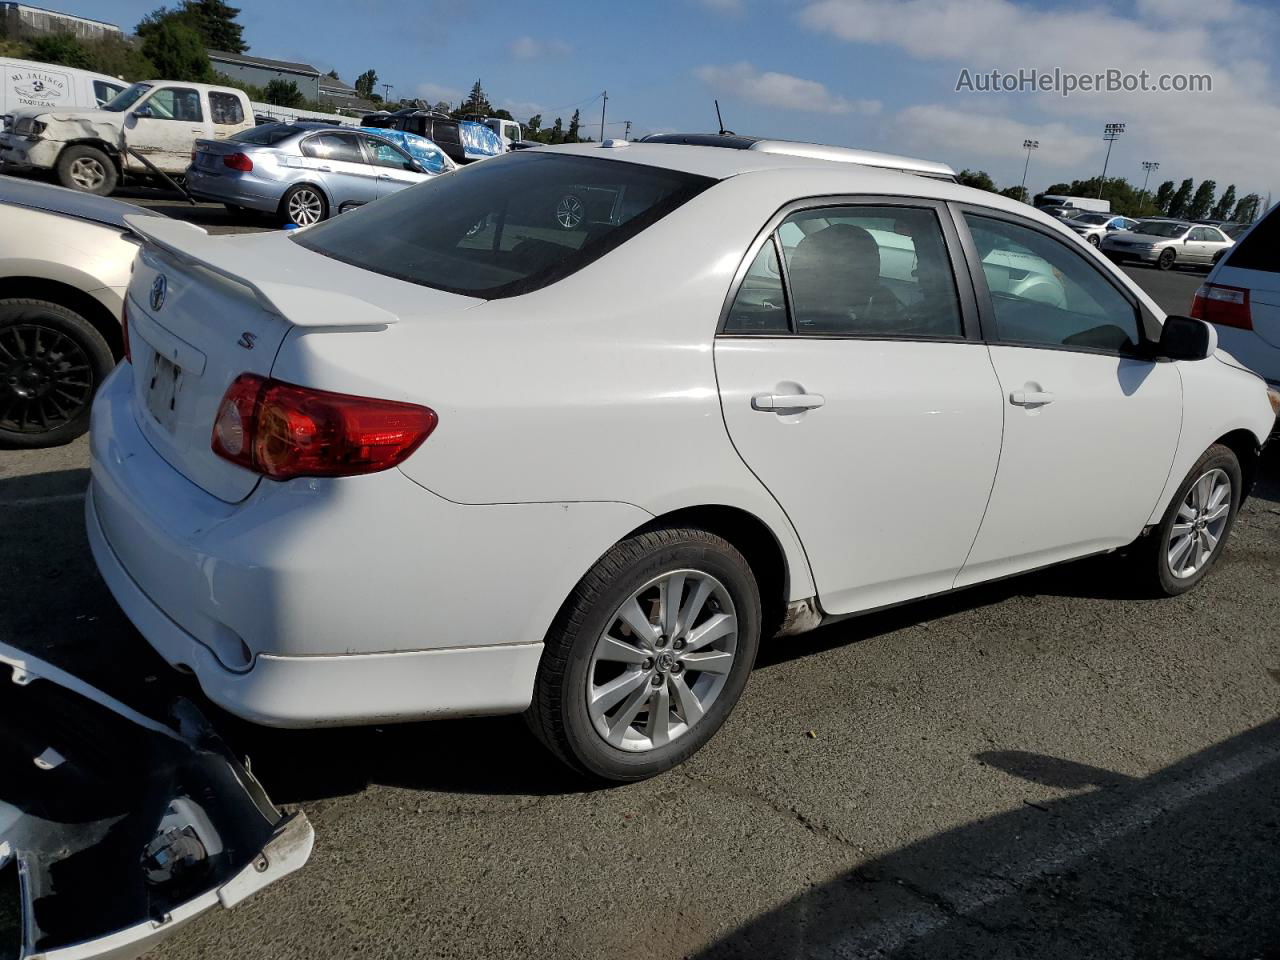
column 160, row 120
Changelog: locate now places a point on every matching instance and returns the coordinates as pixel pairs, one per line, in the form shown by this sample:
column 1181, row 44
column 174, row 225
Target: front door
column 853, row 384
column 1090, row 425
column 395, row 169
column 164, row 127
column 338, row 164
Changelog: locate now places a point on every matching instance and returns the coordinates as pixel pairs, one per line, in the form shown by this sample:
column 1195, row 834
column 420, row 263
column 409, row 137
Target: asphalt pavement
column 1050, row 766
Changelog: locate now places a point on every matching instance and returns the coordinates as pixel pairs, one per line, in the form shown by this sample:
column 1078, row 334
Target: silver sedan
column 307, row 172
column 1094, row 226
column 1168, row 243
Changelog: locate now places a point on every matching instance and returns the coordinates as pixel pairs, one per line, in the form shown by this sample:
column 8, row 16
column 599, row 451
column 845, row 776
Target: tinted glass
column 127, row 97
column 333, row 146
column 505, row 226
column 1043, row 292
column 105, row 92
column 265, row 135
column 870, row 271
column 1161, row 228
column 176, row 103
column 761, row 305
column 1259, row 249
column 1093, row 219
column 225, row 107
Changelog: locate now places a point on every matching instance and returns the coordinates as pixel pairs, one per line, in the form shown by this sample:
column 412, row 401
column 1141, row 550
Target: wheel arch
column 314, row 185
column 64, row 294
column 110, row 149
column 1249, row 452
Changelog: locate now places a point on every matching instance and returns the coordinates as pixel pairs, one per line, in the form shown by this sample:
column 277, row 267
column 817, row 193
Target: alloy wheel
column 46, row 378
column 87, row 173
column 305, row 207
column 662, row 661
column 1199, row 525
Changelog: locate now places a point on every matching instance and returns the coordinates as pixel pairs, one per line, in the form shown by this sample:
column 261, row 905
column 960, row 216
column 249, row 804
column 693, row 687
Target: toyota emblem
column 158, row 291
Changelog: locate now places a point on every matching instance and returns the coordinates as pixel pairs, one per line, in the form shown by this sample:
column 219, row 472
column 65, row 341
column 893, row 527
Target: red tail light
column 284, row 431
column 124, row 330
column 238, row 161
column 1223, row 305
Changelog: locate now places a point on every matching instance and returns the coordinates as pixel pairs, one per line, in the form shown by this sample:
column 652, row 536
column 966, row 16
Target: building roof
column 332, row 86
column 9, row 4
column 282, row 65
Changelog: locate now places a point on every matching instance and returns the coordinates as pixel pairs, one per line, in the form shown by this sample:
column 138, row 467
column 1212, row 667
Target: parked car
column 1167, row 243
column 1231, row 228
column 29, row 85
column 88, row 149
column 306, row 172
column 1094, row 226
column 1079, row 204
column 462, row 140
column 1241, row 297
column 396, row 466
column 64, row 266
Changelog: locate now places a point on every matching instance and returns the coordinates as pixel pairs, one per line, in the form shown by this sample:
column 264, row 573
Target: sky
column 875, row 74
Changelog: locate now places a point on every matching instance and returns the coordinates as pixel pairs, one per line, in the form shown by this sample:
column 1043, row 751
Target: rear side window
column 333, row 146
column 225, row 107
column 1259, row 249
column 1044, row 293
column 176, row 103
column 505, row 226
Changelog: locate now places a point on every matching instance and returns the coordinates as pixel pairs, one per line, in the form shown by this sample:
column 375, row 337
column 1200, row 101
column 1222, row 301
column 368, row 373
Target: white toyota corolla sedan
column 456, row 454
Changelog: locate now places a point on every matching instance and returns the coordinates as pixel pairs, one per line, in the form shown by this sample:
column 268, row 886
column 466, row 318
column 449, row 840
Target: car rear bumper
column 242, row 191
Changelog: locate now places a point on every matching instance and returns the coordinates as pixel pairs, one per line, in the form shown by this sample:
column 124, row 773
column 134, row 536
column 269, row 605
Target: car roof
column 69, row 203
column 799, row 148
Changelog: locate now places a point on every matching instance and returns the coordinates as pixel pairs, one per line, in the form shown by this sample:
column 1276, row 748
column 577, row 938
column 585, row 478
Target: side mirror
column 1186, row 338
column 143, row 111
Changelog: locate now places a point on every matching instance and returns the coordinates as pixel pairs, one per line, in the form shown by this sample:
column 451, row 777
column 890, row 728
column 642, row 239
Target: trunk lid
column 203, row 310
column 1264, row 297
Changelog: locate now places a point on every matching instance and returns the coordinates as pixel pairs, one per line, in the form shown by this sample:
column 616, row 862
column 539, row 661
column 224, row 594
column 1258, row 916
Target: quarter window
column 225, row 107
column 1045, row 293
column 176, row 103
column 761, row 304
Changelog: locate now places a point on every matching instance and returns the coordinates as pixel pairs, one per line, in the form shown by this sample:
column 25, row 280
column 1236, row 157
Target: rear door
column 855, row 385
column 1090, row 425
column 165, row 126
column 341, row 168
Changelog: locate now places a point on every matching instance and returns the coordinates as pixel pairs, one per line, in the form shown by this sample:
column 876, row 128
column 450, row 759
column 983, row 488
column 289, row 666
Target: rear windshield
column 1259, row 249
column 266, row 134
column 1092, row 219
column 506, row 226
column 1163, row 228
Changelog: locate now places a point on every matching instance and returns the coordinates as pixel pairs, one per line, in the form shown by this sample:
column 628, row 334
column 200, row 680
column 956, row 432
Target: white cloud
column 1231, row 134
column 940, row 129
column 531, row 48
column 783, row 90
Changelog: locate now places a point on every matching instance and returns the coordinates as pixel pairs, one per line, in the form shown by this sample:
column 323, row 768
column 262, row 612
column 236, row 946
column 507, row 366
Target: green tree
column 1057, row 190
column 533, row 127
column 1246, row 210
column 1015, row 193
column 176, row 50
column 574, row 134
column 476, row 102
column 1222, row 209
column 283, row 93
column 333, row 75
column 1164, row 193
column 215, row 21
column 1200, row 204
column 976, row 178
column 365, row 83
column 442, row 106
column 557, row 132
column 1179, row 201
column 62, row 48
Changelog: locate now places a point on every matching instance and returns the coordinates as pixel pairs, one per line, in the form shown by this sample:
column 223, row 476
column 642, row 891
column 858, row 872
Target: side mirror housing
column 143, row 111
column 1186, row 338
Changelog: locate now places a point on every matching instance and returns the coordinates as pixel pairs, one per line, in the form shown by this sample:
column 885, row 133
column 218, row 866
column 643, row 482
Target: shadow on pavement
column 1182, row 863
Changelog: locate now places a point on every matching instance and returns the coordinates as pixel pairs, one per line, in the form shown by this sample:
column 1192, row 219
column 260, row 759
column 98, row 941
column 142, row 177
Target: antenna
column 719, row 121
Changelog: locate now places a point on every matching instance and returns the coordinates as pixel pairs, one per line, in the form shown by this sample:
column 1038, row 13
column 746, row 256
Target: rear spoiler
column 302, row 306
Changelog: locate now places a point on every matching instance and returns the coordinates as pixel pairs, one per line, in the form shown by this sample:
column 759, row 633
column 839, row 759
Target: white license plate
column 162, row 393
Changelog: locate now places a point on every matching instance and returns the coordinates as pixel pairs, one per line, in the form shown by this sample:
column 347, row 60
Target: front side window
column 225, row 107
column 339, row 147
column 175, row 103
column 870, row 271
column 384, row 154
column 1045, row 293
column 506, row 226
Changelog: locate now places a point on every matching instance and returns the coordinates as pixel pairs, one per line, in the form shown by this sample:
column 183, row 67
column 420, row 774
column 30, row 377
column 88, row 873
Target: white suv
column 446, row 455
column 1241, row 297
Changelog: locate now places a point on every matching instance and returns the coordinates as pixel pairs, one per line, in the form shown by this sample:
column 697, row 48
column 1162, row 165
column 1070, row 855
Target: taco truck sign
column 38, row 88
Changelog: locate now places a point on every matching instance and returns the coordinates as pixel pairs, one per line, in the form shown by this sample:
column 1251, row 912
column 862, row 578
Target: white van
column 25, row 84
column 1078, row 204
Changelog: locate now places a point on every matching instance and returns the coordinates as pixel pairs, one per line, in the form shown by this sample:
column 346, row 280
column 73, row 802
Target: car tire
column 1092, row 239
column 52, row 361
column 1160, row 565
column 579, row 661
column 303, row 205
column 87, row 169
column 1168, row 257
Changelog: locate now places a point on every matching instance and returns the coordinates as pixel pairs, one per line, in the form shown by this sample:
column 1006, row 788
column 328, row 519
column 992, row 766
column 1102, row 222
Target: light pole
column 1147, row 165
column 1111, row 133
column 386, row 91
column 1027, row 145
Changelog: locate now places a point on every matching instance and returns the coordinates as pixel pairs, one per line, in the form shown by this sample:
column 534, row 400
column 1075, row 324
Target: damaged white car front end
column 32, row 138
column 116, row 828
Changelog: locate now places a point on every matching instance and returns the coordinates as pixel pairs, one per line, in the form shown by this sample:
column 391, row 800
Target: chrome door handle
column 325, row 169
column 781, row 403
column 1030, row 398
